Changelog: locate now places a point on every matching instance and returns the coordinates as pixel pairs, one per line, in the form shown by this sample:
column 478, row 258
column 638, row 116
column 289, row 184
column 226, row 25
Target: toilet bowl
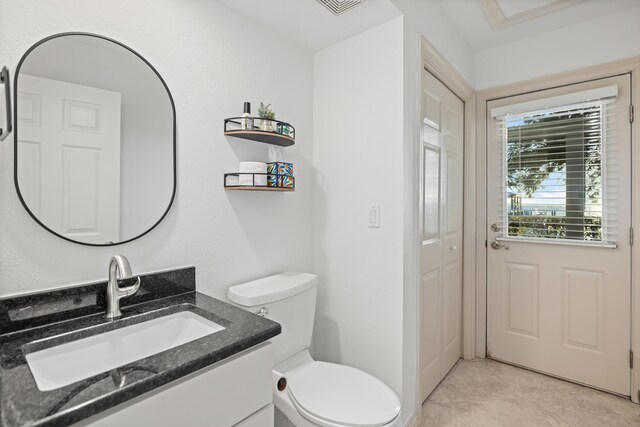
column 312, row 393
column 332, row 395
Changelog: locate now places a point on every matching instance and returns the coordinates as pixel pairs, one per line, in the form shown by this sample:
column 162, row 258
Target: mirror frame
column 15, row 131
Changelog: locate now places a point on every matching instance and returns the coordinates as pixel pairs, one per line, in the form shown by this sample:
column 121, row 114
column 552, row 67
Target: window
column 555, row 164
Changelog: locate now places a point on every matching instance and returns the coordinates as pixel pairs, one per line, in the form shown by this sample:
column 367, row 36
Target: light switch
column 374, row 216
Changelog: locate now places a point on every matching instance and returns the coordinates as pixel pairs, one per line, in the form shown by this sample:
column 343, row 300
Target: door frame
column 630, row 65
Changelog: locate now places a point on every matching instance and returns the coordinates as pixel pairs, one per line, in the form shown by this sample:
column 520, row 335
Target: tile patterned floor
column 482, row 392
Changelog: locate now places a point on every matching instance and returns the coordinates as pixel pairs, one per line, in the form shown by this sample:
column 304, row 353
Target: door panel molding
column 583, row 328
column 522, row 285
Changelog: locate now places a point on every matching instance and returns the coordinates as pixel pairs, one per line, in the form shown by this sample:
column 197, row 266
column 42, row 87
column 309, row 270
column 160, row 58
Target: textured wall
column 358, row 161
column 212, row 60
column 428, row 18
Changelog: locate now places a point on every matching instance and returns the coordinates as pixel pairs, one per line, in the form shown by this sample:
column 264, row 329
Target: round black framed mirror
column 95, row 139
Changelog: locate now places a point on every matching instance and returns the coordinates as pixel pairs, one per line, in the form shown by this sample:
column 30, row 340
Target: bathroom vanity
column 95, row 165
column 175, row 357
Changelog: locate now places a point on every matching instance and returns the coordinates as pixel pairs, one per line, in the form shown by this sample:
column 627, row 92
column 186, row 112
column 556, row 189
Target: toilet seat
column 333, row 395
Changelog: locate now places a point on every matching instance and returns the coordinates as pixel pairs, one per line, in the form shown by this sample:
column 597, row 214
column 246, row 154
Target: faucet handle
column 131, row 289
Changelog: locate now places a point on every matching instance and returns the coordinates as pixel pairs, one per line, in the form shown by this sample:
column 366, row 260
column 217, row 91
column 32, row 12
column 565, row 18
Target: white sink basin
column 67, row 363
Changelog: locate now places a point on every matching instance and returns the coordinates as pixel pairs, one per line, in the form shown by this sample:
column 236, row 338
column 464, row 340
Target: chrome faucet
column 119, row 269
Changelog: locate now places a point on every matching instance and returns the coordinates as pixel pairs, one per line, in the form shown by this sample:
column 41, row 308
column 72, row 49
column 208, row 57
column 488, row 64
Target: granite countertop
column 56, row 317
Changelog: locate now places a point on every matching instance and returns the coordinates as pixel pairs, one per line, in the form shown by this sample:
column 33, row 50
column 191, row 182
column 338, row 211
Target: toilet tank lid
column 272, row 288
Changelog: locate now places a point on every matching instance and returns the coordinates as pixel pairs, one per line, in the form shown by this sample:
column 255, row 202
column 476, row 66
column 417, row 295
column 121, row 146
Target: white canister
column 247, row 169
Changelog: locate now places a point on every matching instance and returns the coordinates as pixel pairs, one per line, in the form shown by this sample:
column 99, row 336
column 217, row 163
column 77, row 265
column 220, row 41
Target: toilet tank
column 289, row 299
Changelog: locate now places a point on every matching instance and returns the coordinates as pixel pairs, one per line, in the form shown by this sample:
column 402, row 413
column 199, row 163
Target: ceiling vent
column 338, row 7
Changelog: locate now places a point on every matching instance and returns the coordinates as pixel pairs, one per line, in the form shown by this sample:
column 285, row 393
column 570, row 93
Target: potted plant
column 266, row 113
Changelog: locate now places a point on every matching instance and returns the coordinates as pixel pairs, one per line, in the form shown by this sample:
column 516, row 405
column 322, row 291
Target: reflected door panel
column 69, row 157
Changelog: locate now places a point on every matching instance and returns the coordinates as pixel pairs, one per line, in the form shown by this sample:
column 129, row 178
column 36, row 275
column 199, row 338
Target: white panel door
column 69, row 157
column 441, row 216
column 562, row 308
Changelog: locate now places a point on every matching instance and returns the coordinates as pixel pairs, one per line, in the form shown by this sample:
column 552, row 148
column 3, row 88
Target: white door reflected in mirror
column 95, row 127
column 69, row 162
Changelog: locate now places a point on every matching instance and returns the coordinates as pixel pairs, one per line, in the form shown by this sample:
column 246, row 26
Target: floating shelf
column 256, row 188
column 253, row 187
column 272, row 132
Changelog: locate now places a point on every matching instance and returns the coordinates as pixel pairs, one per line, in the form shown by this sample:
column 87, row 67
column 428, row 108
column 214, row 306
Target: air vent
column 338, row 7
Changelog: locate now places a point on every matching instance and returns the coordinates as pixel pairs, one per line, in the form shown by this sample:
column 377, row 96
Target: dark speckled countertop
column 53, row 318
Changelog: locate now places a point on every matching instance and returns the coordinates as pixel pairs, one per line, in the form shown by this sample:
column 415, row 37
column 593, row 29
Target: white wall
column 426, row 17
column 357, row 157
column 602, row 40
column 212, row 59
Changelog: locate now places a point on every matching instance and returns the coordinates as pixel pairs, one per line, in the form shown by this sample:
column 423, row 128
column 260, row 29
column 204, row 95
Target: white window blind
column 558, row 170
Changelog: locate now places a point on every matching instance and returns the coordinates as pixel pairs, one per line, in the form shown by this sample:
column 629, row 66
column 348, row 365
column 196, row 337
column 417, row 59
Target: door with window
column 559, row 218
column 441, row 214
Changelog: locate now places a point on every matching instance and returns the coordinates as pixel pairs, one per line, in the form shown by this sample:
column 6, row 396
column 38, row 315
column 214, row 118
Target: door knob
column 495, row 227
column 497, row 245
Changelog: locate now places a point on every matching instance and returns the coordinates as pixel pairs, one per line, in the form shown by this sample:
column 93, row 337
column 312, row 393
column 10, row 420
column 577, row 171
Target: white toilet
column 316, row 393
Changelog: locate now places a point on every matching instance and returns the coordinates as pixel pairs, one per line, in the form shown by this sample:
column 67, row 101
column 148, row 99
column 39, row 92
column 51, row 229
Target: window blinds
column 559, row 166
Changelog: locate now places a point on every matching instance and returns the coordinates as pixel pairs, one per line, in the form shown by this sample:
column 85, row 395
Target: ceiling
column 524, row 18
column 314, row 27
column 309, row 23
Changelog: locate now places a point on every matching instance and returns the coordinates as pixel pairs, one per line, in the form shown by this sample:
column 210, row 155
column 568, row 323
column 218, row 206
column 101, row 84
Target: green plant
column 265, row 112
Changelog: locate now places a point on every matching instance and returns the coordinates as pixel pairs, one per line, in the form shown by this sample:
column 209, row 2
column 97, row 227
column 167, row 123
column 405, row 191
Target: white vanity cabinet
column 233, row 392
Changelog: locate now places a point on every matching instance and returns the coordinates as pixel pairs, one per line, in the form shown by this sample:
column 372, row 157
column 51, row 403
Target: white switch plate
column 373, row 216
